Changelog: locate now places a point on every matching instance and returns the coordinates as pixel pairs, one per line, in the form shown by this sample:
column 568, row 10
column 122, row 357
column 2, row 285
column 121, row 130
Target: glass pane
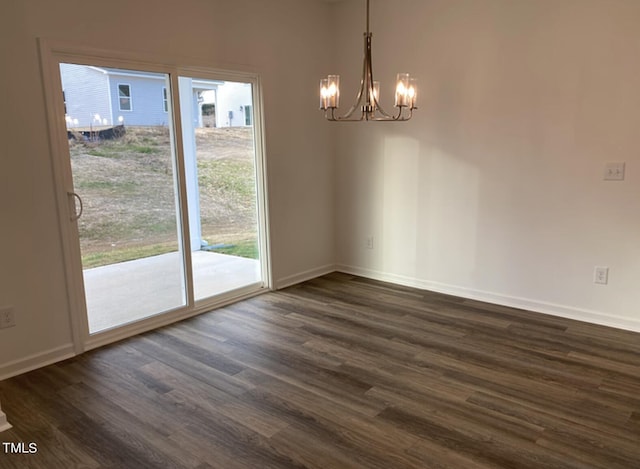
column 124, row 92
column 219, row 152
column 124, row 170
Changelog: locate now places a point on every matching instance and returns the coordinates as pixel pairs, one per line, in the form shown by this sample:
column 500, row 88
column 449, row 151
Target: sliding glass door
column 165, row 196
column 123, row 162
column 220, row 162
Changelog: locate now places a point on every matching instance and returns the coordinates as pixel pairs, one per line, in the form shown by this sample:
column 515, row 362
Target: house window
column 124, row 97
column 248, row 114
column 165, row 103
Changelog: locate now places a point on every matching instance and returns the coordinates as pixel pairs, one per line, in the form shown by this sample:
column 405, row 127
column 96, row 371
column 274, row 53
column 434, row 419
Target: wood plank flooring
column 340, row 372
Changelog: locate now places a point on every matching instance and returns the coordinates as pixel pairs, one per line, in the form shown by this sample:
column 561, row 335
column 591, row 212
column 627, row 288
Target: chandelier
column 368, row 95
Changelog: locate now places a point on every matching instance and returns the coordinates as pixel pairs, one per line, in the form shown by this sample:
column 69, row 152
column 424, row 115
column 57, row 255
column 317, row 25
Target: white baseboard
column 4, row 425
column 35, row 361
column 304, row 276
column 569, row 312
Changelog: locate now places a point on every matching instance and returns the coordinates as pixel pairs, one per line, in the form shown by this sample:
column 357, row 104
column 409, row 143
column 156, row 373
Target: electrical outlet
column 370, row 242
column 601, row 275
column 7, row 317
column 614, row 172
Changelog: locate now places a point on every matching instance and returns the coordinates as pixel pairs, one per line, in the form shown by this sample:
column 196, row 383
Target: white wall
column 495, row 189
column 279, row 42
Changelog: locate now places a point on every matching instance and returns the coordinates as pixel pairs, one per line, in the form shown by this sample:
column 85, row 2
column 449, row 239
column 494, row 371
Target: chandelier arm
column 355, row 106
column 397, row 118
column 400, row 117
column 381, row 110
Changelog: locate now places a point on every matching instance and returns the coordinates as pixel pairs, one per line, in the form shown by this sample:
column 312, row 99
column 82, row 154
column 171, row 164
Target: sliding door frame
column 52, row 53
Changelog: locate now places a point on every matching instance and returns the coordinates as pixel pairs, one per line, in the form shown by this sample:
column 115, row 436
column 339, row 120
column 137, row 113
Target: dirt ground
column 127, row 186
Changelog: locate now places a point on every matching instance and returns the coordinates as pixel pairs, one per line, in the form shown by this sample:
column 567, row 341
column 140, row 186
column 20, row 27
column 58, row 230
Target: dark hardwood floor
column 340, row 372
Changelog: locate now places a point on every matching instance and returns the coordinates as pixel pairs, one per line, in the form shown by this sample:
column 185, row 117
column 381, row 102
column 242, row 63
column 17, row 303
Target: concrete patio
column 121, row 293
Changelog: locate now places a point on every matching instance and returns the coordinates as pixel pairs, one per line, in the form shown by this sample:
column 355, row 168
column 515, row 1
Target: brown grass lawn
column 127, row 186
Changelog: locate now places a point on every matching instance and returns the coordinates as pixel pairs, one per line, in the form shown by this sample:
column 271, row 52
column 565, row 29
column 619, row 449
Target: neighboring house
column 233, row 105
column 95, row 97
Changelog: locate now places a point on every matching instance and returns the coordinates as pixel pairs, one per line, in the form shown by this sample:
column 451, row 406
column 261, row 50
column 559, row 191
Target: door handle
column 75, row 215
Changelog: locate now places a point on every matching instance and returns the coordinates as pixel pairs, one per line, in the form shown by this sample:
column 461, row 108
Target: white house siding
column 232, row 97
column 147, row 104
column 93, row 91
column 86, row 95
